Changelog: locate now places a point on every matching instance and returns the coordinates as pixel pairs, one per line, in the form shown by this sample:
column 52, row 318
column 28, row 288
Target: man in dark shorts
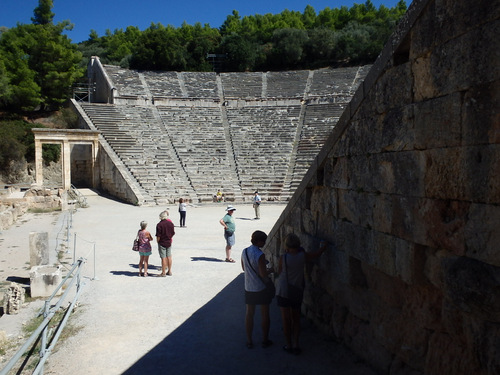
column 164, row 233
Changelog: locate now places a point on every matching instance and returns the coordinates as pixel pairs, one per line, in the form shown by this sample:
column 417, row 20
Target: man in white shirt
column 256, row 204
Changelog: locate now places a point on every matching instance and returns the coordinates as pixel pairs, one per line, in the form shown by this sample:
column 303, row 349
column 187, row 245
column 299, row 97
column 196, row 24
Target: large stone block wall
column 407, row 193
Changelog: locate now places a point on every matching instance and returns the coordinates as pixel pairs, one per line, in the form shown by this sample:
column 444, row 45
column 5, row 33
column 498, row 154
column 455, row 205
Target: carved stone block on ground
column 13, row 299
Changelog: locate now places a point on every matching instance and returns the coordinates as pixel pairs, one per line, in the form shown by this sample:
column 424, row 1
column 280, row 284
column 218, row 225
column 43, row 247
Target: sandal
column 287, row 349
column 249, row 345
column 230, row 260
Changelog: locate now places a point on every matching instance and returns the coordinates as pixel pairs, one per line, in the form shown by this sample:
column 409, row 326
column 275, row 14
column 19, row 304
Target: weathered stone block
column 382, row 213
column 482, row 65
column 350, row 203
column 437, row 128
column 44, row 280
column 447, row 355
column 394, row 131
column 480, row 168
column 444, row 222
column 455, row 18
column 13, row 299
column 363, row 342
column 393, row 88
column 39, row 248
column 423, row 33
column 473, row 286
column 396, row 173
column 424, row 86
column 337, row 264
column 482, row 235
column 442, row 177
column 481, row 121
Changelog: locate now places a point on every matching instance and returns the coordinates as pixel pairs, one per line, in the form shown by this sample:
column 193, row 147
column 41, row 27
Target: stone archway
column 65, row 137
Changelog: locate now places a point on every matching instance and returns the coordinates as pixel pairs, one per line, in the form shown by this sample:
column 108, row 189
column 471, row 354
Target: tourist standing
column 182, row 212
column 164, row 233
column 290, row 288
column 259, row 289
column 229, row 228
column 256, row 204
column 145, row 239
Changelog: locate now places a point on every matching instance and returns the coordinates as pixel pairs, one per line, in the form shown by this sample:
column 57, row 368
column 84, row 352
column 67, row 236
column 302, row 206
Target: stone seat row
column 324, row 82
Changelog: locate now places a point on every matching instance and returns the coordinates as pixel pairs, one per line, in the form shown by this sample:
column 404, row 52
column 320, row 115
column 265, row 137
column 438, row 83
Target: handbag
column 135, row 246
column 294, row 293
column 270, row 288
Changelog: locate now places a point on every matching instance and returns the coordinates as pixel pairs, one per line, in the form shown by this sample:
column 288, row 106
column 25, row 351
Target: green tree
column 22, row 93
column 288, row 48
column 231, row 25
column 159, row 48
column 41, row 63
column 320, row 47
column 241, row 53
column 43, row 13
column 309, row 17
column 200, row 41
column 56, row 62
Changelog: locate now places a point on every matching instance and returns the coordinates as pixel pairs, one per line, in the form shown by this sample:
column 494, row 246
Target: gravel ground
column 189, row 323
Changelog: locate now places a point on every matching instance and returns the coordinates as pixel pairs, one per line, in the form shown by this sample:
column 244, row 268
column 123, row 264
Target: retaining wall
column 406, row 191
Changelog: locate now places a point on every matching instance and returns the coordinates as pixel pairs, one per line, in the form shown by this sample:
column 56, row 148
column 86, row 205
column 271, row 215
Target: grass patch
column 31, row 357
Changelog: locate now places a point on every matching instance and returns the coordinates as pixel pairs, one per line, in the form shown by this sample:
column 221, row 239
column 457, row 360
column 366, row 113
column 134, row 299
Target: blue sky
column 108, row 14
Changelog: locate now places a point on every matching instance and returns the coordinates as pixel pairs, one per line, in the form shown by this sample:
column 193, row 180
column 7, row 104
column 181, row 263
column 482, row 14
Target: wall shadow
column 212, row 341
column 206, row 342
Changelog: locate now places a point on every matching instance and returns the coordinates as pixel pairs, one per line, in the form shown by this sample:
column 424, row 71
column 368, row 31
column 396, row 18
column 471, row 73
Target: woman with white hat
column 229, row 228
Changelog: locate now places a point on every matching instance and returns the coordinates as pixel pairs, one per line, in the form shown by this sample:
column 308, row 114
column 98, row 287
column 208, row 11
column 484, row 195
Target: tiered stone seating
column 127, row 82
column 333, row 82
column 319, row 120
column 263, row 140
column 201, row 84
column 188, row 143
column 140, row 142
column 198, row 136
column 242, row 85
column 163, row 84
column 290, row 84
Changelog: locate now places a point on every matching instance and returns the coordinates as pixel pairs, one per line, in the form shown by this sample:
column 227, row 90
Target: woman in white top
column 257, row 292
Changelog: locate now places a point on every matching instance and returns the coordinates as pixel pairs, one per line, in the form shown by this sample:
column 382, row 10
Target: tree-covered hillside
column 284, row 41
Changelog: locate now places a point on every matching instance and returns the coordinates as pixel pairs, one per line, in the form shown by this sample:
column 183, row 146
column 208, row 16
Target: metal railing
column 77, row 197
column 49, row 339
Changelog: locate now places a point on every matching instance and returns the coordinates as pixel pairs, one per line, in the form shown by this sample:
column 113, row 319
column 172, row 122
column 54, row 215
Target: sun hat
column 230, row 208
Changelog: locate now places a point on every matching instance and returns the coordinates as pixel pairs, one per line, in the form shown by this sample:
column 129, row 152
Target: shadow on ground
column 212, row 341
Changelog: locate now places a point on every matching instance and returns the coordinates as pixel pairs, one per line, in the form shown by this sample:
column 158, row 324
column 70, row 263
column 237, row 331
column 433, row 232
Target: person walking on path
column 256, row 204
column 145, row 239
column 290, row 288
column 164, row 233
column 229, row 228
column 182, row 212
column 253, row 262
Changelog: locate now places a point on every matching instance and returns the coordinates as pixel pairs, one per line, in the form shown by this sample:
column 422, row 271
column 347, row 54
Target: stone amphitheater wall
column 406, row 192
